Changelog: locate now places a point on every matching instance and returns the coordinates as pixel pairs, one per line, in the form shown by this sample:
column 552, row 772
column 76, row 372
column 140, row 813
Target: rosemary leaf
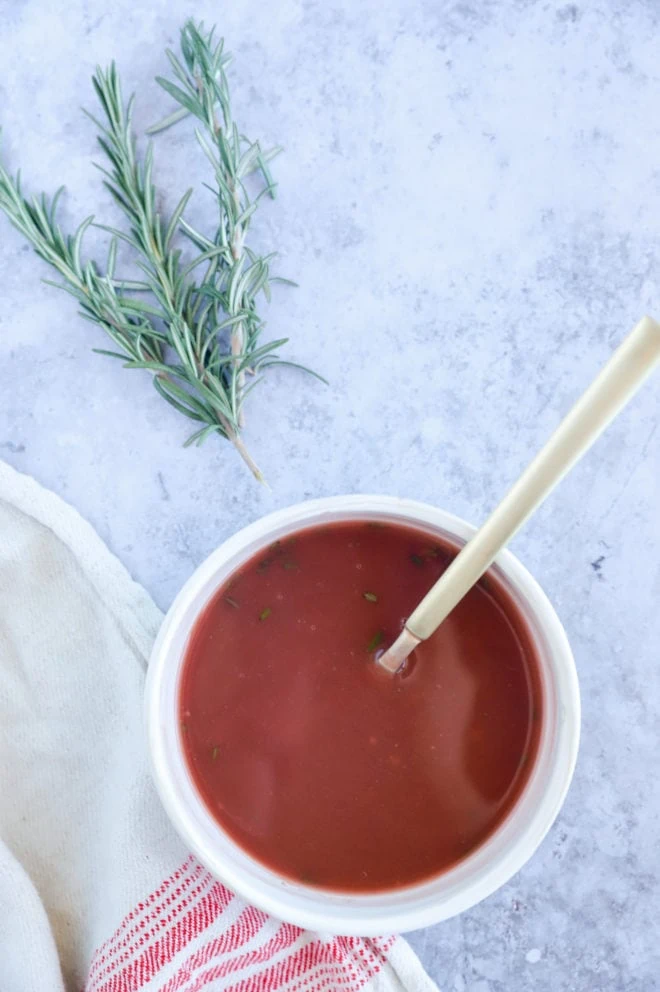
column 375, row 641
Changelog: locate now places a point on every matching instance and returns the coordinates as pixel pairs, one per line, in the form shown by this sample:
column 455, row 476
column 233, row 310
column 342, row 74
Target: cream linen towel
column 96, row 890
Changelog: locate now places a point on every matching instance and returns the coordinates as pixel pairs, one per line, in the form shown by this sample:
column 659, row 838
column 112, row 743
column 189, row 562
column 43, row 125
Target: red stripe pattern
column 157, row 912
column 193, row 935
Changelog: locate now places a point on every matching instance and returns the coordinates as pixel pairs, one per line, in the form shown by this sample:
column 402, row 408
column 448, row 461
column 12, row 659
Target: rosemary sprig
column 202, row 89
column 193, row 323
column 121, row 317
column 180, row 336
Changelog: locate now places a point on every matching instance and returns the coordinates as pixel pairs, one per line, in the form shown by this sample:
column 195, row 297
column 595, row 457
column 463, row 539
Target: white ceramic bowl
column 483, row 870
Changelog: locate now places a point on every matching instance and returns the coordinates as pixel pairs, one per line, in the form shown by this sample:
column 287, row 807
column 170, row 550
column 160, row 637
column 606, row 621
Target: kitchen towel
column 97, row 893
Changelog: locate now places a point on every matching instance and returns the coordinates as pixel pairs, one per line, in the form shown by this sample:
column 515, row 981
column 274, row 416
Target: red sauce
column 322, row 766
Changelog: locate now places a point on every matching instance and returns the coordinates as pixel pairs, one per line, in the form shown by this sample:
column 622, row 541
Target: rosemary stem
column 239, row 444
column 237, row 346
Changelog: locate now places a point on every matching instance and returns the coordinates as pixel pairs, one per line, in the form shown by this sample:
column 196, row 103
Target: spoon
column 613, row 387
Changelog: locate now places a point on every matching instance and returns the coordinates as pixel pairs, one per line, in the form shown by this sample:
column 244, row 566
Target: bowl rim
column 489, row 867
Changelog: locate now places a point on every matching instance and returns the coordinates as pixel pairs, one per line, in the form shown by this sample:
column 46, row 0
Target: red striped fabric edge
column 178, row 912
column 285, row 937
column 329, row 955
column 149, row 908
column 246, row 927
column 135, row 973
column 148, row 921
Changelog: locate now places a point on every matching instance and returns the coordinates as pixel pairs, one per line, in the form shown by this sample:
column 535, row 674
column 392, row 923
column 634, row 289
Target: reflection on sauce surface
column 319, row 764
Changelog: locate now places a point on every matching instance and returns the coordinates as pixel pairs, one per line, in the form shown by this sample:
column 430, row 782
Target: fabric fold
column 96, row 890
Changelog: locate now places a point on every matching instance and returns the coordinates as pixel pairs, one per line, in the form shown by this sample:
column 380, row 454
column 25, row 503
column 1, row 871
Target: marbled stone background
column 470, row 201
